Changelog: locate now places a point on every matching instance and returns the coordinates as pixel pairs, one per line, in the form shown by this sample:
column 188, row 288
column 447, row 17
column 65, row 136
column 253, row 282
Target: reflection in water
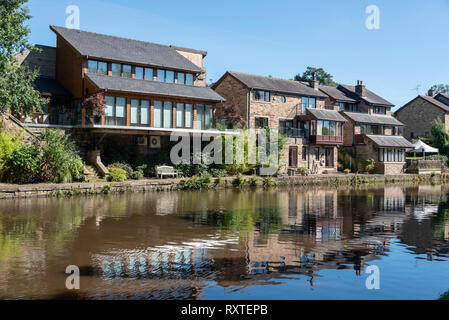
column 229, row 244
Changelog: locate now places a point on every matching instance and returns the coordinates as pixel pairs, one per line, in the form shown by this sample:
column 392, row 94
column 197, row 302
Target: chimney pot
column 431, row 92
column 360, row 88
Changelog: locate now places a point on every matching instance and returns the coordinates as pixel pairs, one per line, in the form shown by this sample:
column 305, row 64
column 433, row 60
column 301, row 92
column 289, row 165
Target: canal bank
column 10, row 191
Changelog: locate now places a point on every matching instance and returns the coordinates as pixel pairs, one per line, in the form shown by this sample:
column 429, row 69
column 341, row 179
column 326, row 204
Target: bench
column 166, row 171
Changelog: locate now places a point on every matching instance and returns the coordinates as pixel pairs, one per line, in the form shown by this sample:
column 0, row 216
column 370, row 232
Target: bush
column 137, row 175
column 198, row 182
column 347, row 171
column 253, row 181
column 218, row 172
column 443, row 159
column 23, row 165
column 7, row 145
column 268, row 182
column 238, row 181
column 129, row 170
column 60, row 160
column 117, row 174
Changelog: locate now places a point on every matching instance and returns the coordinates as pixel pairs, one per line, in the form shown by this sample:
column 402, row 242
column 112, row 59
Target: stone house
column 370, row 131
column 151, row 90
column 419, row 113
column 296, row 109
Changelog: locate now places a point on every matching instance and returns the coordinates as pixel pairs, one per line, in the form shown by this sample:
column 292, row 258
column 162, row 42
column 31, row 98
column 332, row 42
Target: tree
column 230, row 113
column 16, row 82
column 440, row 135
column 322, row 76
column 440, row 88
column 94, row 105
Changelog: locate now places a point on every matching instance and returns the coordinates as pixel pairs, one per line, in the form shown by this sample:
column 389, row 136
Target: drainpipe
column 249, row 109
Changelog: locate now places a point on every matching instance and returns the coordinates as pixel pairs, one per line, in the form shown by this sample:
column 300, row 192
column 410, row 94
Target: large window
column 158, row 114
column 371, row 129
column 184, row 115
column 349, row 107
column 115, row 111
column 127, row 71
column 308, row 103
column 135, row 112
column 398, row 131
column 140, row 112
column 391, row 155
column 286, row 127
column 116, row 69
column 261, row 95
column 204, row 116
column 327, row 128
column 97, row 67
column 380, row 110
column 168, row 111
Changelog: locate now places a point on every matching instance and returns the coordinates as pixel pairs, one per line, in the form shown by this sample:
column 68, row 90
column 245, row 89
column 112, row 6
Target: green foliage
column 322, row 76
column 196, row 182
column 253, row 181
column 369, row 166
column 439, row 134
column 268, row 182
column 440, row 88
column 442, row 158
column 137, row 175
column 238, row 181
column 16, row 82
column 8, row 144
column 60, row 159
column 129, row 170
column 347, row 171
column 23, row 165
column 117, row 174
column 218, row 172
column 303, row 170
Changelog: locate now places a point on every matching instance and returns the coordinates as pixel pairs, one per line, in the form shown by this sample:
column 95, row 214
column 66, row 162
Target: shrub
column 117, row 174
column 7, row 145
column 23, row 165
column 238, row 181
column 60, row 160
column 125, row 166
column 443, row 159
column 347, row 171
column 198, row 182
column 268, row 182
column 138, row 175
column 218, row 172
column 253, row 181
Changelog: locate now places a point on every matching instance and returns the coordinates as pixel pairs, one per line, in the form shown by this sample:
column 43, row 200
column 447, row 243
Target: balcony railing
column 333, row 140
column 293, row 132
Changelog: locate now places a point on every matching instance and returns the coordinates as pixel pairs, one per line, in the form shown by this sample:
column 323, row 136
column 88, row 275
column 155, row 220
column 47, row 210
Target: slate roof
column 45, row 60
column 276, row 85
column 337, row 95
column 444, row 98
column 373, row 118
column 102, row 46
column 50, row 86
column 436, row 102
column 323, row 114
column 370, row 97
column 154, row 88
column 390, row 141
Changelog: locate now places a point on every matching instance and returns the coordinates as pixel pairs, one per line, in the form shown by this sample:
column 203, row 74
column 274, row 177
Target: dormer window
column 380, row 110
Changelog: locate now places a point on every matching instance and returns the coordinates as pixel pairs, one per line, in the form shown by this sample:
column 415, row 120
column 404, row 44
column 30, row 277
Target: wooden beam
column 128, row 111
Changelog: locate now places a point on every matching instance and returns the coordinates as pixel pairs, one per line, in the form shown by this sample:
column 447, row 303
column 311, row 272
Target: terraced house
column 370, row 133
column 296, row 109
column 151, row 90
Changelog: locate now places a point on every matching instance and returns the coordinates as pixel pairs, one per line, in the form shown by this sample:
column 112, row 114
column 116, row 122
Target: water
column 255, row 244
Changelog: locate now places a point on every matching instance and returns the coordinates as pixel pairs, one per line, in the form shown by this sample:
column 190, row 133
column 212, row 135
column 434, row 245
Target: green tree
column 322, row 76
column 440, row 88
column 440, row 135
column 16, row 82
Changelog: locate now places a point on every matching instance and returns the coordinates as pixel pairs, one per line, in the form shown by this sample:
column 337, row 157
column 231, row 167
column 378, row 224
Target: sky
column 409, row 50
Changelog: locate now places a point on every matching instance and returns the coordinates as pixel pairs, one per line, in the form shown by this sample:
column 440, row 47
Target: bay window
column 391, row 155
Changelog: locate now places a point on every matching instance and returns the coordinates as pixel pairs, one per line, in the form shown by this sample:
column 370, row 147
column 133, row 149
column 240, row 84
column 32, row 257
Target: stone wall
column 418, row 116
column 235, row 93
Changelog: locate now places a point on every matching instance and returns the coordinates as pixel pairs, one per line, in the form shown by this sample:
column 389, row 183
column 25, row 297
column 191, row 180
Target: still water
column 252, row 244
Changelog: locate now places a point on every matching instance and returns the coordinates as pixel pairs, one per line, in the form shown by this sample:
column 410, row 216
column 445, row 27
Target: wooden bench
column 166, row 171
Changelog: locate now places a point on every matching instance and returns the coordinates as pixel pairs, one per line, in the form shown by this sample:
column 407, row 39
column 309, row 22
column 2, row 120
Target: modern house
column 419, row 113
column 296, row 109
column 151, row 90
column 371, row 132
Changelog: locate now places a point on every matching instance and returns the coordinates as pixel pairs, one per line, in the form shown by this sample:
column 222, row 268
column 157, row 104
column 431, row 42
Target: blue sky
column 281, row 38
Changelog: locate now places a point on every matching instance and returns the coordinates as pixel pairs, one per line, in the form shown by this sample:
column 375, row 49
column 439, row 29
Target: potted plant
column 94, row 106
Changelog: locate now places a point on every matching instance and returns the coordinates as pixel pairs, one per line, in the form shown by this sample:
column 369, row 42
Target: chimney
column 315, row 83
column 360, row 88
column 431, row 92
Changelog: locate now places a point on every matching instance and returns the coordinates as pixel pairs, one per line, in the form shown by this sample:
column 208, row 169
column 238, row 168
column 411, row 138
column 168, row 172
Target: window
column 380, row 110
column 92, row 66
column 149, row 74
column 189, row 79
column 145, row 113
column 168, row 109
column 200, row 116
column 398, row 131
column 189, row 115
column 115, row 111
column 326, row 126
column 184, row 115
column 169, row 77
column 329, row 157
column 97, row 67
column 317, row 153
column 293, row 157
column 308, row 103
column 391, row 155
column 157, row 114
column 319, row 128
column 204, row 116
column 139, row 73
column 160, row 75
column 180, row 115
column 116, row 69
column 127, row 71
column 304, row 153
column 342, row 106
column 135, row 112
column 283, row 99
column 181, row 78
column 261, row 123
column 261, row 95
column 286, row 127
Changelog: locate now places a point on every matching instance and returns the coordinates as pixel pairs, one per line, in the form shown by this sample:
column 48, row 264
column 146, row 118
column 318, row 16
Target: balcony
column 293, row 132
column 327, row 140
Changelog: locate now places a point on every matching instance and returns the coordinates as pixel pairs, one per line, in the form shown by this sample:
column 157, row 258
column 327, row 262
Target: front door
column 329, row 157
column 293, row 157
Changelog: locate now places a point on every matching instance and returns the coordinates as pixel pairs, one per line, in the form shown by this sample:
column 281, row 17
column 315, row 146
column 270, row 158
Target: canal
column 283, row 243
